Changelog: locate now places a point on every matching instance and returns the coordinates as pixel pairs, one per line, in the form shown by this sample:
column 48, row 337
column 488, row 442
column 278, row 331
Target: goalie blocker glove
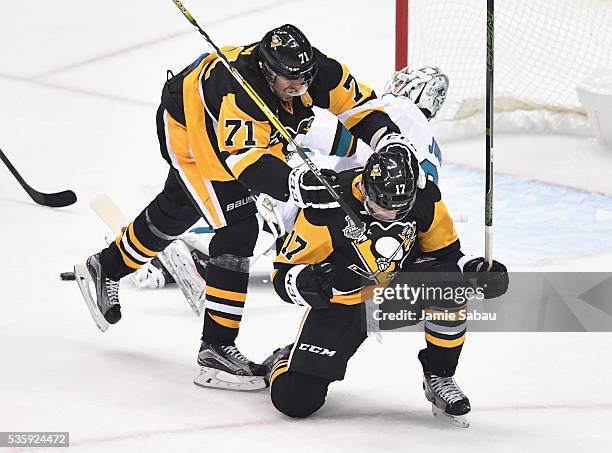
column 307, row 191
column 310, row 285
column 494, row 282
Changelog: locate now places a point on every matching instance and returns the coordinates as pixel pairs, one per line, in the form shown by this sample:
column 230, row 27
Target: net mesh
column 543, row 50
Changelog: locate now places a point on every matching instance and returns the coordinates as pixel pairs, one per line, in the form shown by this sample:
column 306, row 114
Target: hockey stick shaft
column 489, row 137
column 272, row 117
column 54, row 200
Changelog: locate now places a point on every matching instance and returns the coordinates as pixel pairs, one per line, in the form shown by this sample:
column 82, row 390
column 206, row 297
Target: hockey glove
column 306, row 190
column 152, row 275
column 393, row 140
column 494, row 282
column 310, row 285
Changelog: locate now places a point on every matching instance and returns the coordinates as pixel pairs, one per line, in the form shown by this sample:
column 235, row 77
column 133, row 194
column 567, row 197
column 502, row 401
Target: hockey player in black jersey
column 222, row 150
column 321, row 266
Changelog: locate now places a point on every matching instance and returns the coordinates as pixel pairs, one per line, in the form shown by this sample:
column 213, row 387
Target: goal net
column 544, row 50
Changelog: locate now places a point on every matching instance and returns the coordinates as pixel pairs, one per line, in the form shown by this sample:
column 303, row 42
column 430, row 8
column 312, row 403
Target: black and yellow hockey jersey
column 321, row 236
column 230, row 138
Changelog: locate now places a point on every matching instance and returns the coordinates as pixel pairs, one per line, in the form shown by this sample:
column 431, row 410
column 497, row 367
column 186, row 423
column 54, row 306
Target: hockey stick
column 53, row 200
column 116, row 220
column 293, row 146
column 489, row 138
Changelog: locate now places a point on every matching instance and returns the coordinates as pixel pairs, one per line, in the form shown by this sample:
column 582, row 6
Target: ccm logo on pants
column 316, row 349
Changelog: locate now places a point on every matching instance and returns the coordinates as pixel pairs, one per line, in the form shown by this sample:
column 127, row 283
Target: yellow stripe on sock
column 278, row 372
column 231, row 323
column 226, row 294
column 445, row 343
column 126, row 259
column 279, row 364
column 138, row 244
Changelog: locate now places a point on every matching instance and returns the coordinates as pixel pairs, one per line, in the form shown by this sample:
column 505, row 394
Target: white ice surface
column 79, row 84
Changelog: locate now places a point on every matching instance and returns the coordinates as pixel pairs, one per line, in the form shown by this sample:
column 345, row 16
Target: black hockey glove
column 310, row 285
column 494, row 282
column 308, row 192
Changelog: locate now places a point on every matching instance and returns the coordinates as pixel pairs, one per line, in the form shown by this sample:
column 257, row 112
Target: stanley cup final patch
column 351, row 231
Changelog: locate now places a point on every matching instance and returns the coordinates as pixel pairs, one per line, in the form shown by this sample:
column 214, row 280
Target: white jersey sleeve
column 329, row 137
column 414, row 125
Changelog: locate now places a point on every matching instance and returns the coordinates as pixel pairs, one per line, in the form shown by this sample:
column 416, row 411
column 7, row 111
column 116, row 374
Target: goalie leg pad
column 177, row 259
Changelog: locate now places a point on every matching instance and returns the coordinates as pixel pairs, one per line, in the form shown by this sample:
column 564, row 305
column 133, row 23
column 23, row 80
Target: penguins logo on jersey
column 298, row 134
column 382, row 249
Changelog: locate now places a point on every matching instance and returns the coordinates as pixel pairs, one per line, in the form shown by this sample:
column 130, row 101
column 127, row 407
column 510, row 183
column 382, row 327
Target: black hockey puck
column 67, row 276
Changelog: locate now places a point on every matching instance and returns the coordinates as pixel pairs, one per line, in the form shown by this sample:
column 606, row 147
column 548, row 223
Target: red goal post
column 401, row 34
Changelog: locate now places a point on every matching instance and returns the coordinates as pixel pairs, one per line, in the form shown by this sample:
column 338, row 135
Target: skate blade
column 83, row 279
column 456, row 420
column 186, row 275
column 213, row 378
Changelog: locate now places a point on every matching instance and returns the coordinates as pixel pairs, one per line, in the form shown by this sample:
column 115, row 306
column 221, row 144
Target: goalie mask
column 389, row 181
column 425, row 86
column 285, row 52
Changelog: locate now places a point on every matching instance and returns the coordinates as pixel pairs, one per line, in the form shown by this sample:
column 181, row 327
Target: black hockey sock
column 445, row 337
column 225, row 295
column 137, row 245
column 169, row 215
column 443, row 360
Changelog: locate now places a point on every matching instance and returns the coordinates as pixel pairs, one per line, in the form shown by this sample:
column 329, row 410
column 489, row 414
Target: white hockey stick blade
column 213, row 378
column 84, row 279
column 181, row 268
column 108, row 211
column 457, row 420
column 111, row 215
column 176, row 258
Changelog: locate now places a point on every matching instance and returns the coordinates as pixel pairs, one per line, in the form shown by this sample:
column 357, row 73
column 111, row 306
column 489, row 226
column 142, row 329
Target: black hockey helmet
column 390, row 181
column 286, row 52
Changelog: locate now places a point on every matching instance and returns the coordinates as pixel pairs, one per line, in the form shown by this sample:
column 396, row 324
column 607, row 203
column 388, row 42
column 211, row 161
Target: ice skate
column 448, row 402
column 224, row 367
column 272, row 363
column 104, row 307
column 177, row 259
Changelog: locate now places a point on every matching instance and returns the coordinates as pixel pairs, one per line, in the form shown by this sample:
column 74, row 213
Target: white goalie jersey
column 329, row 137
